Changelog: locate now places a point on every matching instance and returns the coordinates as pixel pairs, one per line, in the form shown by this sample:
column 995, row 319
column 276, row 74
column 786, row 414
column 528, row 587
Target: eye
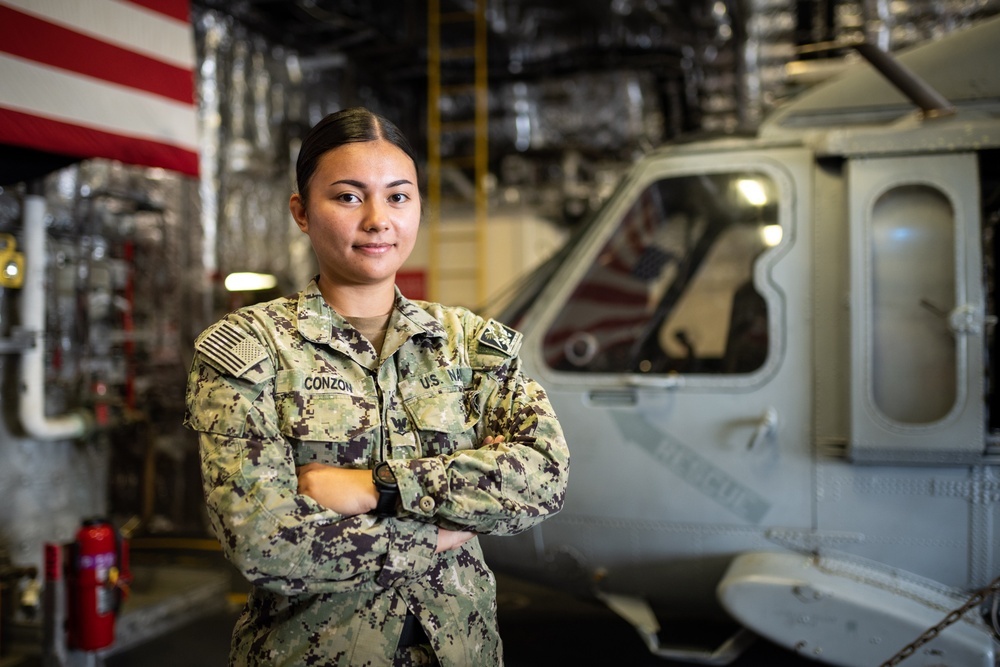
column 348, row 198
column 399, row 197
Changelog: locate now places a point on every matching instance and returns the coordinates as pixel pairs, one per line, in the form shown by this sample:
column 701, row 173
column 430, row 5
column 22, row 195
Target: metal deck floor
column 539, row 627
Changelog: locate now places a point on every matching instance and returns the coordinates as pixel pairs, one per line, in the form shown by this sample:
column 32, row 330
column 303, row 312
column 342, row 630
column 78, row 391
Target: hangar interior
column 526, row 112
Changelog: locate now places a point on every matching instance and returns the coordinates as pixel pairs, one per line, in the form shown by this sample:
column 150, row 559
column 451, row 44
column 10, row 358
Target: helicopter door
column 676, row 352
column 917, row 310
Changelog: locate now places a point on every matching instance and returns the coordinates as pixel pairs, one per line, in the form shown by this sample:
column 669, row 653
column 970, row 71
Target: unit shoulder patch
column 501, row 337
column 232, row 349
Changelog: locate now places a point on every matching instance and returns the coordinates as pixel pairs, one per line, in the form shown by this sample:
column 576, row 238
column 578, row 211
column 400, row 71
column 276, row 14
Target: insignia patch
column 501, row 337
column 232, row 349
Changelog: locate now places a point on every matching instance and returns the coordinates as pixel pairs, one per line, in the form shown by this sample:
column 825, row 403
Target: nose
column 376, row 216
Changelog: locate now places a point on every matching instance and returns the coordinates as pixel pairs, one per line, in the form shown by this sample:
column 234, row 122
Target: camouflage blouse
column 280, row 384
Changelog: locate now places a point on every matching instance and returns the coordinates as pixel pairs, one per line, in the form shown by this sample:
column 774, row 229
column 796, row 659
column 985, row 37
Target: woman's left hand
column 451, row 539
column 346, row 491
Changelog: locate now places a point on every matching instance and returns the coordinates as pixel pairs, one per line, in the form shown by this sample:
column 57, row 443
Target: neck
column 358, row 300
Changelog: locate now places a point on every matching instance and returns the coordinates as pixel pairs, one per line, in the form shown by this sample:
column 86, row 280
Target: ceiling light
column 752, row 190
column 250, row 282
column 771, row 235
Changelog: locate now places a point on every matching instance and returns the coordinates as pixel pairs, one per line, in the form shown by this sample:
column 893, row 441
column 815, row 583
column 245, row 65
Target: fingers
column 307, row 467
column 452, row 539
column 493, row 440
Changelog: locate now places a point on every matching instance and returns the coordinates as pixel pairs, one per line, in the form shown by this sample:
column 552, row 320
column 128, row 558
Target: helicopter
column 774, row 359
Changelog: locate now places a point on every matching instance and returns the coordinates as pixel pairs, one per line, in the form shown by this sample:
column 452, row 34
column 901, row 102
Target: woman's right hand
column 346, row 491
column 452, row 539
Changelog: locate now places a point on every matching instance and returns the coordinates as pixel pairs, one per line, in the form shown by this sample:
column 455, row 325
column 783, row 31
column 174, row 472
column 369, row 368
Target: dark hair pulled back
column 355, row 124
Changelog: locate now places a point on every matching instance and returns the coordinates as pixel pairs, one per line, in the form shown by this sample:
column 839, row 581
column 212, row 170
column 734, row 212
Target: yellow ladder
column 476, row 165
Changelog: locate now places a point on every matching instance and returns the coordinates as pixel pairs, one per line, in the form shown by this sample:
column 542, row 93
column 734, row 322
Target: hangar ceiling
column 716, row 65
column 577, row 90
column 603, row 79
column 527, row 39
column 393, row 33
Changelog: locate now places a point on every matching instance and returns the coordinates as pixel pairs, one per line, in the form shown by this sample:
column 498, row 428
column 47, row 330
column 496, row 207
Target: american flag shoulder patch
column 233, row 349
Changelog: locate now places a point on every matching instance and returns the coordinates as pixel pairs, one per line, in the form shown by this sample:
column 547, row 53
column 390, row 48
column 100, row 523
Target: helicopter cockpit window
column 913, row 294
column 672, row 289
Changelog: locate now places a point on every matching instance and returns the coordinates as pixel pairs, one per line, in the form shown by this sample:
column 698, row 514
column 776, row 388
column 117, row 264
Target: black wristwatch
column 388, row 490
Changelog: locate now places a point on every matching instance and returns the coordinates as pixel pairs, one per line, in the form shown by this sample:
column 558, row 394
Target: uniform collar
column 413, row 317
column 321, row 324
column 316, row 318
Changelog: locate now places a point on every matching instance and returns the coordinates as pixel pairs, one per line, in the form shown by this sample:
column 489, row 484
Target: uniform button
column 426, row 504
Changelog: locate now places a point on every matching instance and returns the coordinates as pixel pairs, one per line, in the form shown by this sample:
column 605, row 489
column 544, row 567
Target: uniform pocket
column 325, row 417
column 443, row 410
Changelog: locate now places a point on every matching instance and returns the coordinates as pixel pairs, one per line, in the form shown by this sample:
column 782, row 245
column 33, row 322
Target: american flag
column 100, row 78
column 612, row 303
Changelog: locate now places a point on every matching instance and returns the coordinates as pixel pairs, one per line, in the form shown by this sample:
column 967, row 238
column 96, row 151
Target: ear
column 298, row 210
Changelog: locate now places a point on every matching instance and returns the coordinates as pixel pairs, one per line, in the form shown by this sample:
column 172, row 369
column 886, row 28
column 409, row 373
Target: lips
column 375, row 248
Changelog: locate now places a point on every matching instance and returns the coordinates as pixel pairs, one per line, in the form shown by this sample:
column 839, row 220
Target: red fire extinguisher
column 97, row 583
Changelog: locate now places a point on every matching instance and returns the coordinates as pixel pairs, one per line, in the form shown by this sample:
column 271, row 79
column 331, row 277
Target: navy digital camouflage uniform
column 288, row 382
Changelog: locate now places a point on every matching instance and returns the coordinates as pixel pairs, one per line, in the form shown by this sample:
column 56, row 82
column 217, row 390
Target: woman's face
column 361, row 213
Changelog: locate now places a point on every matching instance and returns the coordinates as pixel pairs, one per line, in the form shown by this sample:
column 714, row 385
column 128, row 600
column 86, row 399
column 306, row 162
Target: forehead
column 376, row 161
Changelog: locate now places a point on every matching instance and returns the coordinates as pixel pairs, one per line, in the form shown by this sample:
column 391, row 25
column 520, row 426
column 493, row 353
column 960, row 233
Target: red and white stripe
column 100, row 78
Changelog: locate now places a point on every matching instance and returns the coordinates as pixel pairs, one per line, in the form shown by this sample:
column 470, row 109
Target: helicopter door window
column 672, row 289
column 913, row 293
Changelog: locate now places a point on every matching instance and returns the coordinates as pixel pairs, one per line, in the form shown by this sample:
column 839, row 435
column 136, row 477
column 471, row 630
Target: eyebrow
column 364, row 186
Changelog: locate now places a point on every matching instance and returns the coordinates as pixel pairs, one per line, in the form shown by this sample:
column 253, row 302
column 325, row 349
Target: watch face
column 384, row 474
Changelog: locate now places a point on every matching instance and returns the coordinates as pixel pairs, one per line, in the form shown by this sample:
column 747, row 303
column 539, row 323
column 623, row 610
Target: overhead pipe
column 32, row 370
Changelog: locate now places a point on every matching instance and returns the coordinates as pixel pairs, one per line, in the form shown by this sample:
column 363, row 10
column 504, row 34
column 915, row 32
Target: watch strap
column 388, row 494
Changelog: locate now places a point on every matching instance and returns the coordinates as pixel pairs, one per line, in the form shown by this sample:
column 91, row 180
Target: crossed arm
column 350, row 492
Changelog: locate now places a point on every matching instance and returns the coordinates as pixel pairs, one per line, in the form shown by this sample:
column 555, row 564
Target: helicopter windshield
column 672, row 289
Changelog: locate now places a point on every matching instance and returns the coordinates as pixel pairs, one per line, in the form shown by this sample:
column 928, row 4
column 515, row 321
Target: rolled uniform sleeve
column 502, row 488
column 279, row 539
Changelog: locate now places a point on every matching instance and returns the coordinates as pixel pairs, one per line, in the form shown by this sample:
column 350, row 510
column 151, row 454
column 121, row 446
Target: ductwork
column 32, row 370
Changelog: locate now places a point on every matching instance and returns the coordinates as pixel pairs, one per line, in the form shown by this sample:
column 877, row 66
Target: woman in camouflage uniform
column 355, row 442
